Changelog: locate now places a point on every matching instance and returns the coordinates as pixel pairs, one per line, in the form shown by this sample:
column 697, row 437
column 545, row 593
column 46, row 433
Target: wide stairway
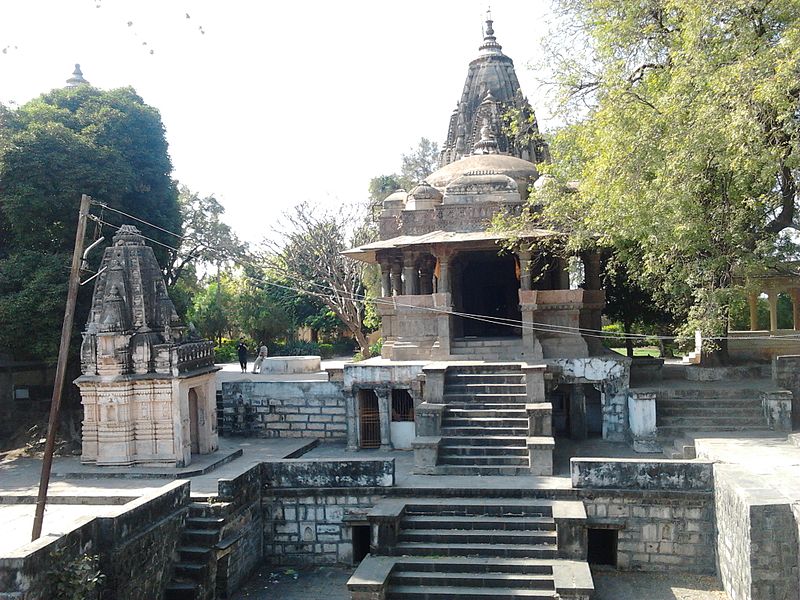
column 477, row 549
column 484, row 423
column 509, row 348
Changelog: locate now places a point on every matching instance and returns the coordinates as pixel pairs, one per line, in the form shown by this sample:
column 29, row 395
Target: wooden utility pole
column 61, row 367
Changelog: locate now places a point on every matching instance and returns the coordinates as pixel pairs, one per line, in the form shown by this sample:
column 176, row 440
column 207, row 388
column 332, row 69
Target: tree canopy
column 683, row 138
column 68, row 142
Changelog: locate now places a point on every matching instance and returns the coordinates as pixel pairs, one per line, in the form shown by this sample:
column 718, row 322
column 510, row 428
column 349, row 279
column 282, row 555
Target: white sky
column 276, row 102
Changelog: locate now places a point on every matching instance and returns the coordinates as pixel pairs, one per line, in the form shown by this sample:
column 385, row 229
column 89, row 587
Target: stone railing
column 193, row 355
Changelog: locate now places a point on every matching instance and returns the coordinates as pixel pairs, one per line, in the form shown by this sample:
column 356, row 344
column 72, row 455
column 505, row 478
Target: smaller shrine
column 147, row 389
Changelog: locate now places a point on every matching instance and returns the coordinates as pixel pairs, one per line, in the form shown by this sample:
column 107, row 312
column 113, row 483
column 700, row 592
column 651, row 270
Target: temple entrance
column 486, row 284
column 369, row 419
column 194, row 432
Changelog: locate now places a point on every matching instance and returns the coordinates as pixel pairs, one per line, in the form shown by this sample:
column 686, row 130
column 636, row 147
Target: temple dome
column 481, row 186
column 395, row 200
column 523, row 172
column 423, row 196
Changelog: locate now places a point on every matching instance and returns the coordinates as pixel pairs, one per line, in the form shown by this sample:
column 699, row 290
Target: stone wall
column 757, row 537
column 283, row 409
column 642, row 474
column 786, row 373
column 355, row 472
column 312, row 527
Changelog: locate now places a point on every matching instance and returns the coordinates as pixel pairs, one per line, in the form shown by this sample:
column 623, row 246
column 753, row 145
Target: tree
column 686, row 143
column 68, row 142
column 206, row 239
column 214, row 308
column 311, row 258
column 259, row 315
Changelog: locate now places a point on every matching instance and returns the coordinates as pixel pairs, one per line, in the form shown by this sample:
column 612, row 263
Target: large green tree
column 684, row 140
column 68, row 142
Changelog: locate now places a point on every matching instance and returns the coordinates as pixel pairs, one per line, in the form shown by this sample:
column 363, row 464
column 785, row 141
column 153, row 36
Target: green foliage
column 68, row 142
column 71, row 578
column 344, row 347
column 375, row 349
column 326, row 350
column 687, row 155
column 213, row 309
column 258, row 314
column 296, row 348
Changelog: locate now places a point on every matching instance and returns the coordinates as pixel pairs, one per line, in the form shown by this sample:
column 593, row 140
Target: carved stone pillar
column 386, row 279
column 396, row 278
column 526, row 276
column 410, row 275
column 752, row 301
column 351, row 416
column 591, row 270
column 426, row 277
column 772, row 296
column 385, row 415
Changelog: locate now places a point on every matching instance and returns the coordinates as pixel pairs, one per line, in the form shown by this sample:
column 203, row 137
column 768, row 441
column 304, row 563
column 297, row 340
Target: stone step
column 722, row 419
column 481, row 522
column 485, row 342
column 481, row 580
column 515, row 406
column 458, row 421
column 479, row 413
column 191, row 570
column 205, row 522
column 448, row 431
column 490, row 368
column 710, row 393
column 460, row 537
column 196, row 554
column 485, row 388
column 483, row 378
column 521, row 460
column 672, row 431
column 200, row 537
column 485, row 549
column 468, row 507
column 181, row 590
column 482, row 470
column 492, row 440
column 476, row 451
column 450, row 398
column 409, row 592
column 479, row 565
column 754, row 409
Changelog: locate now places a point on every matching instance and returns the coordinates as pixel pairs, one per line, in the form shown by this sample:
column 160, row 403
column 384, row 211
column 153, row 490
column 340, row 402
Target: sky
column 268, row 104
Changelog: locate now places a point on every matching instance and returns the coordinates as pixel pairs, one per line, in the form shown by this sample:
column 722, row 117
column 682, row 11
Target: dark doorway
column 402, row 406
column 602, row 547
column 360, row 542
column 369, row 419
column 194, row 433
column 487, row 284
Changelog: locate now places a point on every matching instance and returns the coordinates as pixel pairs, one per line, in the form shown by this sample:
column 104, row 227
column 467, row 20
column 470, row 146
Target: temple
column 147, row 393
column 469, row 318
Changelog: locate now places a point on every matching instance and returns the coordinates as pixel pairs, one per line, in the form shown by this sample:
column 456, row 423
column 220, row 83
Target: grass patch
column 651, row 351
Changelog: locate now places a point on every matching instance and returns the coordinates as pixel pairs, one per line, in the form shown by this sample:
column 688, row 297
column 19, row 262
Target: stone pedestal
column 642, row 421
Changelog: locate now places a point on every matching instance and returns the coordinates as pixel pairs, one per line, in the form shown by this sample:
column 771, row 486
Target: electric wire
column 534, row 326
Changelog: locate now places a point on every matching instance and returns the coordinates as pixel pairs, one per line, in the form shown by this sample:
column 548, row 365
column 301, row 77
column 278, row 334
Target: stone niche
column 147, row 389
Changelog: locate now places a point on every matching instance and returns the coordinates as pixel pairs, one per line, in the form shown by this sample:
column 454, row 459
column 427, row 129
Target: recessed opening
column 603, row 547
column 360, row 542
column 369, row 419
column 402, row 406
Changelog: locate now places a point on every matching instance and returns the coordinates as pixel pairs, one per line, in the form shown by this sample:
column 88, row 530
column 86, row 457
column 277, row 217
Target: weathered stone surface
column 328, row 473
column 622, row 473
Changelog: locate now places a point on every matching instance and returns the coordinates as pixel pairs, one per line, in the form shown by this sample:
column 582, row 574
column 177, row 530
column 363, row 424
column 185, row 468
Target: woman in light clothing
column 262, row 354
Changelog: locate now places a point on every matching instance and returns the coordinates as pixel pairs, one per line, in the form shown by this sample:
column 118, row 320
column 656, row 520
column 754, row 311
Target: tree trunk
column 363, row 343
column 628, row 340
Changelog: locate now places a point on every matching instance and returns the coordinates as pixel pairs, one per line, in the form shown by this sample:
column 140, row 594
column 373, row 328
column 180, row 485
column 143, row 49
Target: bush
column 226, row 352
column 344, row 347
column 296, row 348
column 326, row 350
column 375, row 349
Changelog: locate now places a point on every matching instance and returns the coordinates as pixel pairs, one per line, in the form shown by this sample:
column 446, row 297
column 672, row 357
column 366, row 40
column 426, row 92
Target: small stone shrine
column 148, row 393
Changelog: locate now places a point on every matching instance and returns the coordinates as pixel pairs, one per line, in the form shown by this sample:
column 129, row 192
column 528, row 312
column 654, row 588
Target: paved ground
column 328, row 583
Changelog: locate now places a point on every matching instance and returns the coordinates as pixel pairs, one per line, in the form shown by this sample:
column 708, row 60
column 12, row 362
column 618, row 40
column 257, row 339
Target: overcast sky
column 267, row 104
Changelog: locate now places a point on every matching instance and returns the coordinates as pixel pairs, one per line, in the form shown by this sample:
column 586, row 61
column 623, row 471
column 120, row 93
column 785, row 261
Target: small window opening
column 360, row 542
column 402, row 406
column 603, row 547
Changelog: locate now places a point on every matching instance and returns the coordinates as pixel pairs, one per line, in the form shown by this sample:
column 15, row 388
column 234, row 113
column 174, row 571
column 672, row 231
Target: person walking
column 241, row 350
column 263, row 351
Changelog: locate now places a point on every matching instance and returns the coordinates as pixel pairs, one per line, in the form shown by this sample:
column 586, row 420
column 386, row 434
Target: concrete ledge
column 329, row 473
column 642, row 474
column 540, row 454
column 291, row 364
column 370, row 578
column 573, row 579
column 426, row 453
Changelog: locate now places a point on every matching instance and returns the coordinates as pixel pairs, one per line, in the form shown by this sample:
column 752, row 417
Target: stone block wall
column 312, row 527
column 355, row 472
column 786, row 373
column 281, row 409
column 658, row 530
column 757, row 538
column 642, row 474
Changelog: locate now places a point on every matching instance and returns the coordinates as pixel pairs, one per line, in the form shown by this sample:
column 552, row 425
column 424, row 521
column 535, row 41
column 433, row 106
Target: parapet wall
column 282, row 409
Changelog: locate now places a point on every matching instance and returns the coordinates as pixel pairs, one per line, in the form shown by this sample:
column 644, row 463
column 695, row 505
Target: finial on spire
column 489, row 21
column 77, row 77
column 490, row 45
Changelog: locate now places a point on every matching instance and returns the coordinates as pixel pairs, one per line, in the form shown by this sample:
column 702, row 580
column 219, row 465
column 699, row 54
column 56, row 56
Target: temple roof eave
column 368, row 252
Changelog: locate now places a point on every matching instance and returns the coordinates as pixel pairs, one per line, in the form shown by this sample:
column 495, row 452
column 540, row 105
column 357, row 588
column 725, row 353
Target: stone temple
column 148, row 395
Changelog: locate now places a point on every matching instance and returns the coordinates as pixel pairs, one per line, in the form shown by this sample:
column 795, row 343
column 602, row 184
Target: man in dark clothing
column 241, row 350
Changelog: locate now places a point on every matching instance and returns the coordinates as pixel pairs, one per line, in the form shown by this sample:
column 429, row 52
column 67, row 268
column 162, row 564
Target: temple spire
column 77, row 77
column 490, row 45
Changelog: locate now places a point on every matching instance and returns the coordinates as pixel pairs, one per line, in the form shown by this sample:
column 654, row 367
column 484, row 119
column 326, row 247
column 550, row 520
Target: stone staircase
column 477, row 549
column 194, row 573
column 484, row 423
column 707, row 407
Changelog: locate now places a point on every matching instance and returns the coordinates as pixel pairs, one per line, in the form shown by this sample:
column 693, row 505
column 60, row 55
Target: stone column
column 443, row 285
column 396, row 279
column 386, row 279
column 351, row 416
column 526, row 277
column 410, row 275
column 591, row 270
column 385, row 415
column 426, row 277
column 577, row 413
column 752, row 301
column 772, row 296
column 561, row 279
column 796, row 308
